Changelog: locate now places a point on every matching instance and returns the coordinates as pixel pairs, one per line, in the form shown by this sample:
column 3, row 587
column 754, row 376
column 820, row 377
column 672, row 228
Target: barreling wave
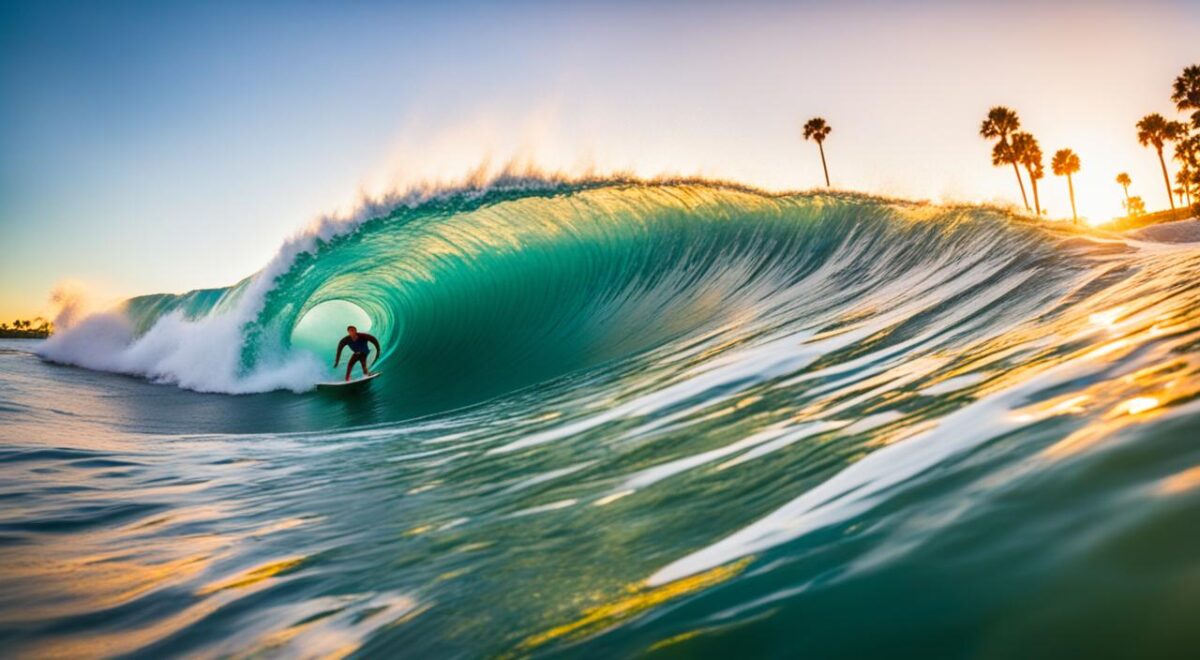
column 479, row 291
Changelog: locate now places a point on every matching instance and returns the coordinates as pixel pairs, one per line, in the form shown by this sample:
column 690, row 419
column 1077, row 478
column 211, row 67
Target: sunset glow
column 181, row 141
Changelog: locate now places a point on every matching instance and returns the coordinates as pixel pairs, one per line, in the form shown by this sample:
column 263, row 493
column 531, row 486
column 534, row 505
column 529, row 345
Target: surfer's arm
column 338, row 356
column 378, row 350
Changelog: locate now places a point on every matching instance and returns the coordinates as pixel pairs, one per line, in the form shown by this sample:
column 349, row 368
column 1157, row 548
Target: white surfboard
column 338, row 384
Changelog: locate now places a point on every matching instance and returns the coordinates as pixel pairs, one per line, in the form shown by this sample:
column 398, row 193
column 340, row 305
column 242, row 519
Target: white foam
column 204, row 354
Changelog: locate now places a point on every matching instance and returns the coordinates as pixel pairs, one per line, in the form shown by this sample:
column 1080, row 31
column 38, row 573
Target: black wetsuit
column 359, row 351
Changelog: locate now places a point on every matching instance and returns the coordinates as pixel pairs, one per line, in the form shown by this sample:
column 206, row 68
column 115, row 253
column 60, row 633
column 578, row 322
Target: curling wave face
column 622, row 417
column 475, row 293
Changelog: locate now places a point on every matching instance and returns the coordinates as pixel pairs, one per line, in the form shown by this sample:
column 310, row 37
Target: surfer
column 357, row 341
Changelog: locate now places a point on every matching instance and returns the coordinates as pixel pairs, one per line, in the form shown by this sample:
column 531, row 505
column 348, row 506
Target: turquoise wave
column 480, row 292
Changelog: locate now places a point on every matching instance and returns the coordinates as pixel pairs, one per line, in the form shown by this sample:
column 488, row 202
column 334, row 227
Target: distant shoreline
column 23, row 334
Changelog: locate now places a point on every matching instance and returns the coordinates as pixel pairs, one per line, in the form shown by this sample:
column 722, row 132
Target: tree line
column 1021, row 149
column 36, row 328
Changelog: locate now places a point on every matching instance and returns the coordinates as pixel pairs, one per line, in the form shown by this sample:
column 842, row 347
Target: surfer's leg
column 350, row 366
column 357, row 357
column 366, row 371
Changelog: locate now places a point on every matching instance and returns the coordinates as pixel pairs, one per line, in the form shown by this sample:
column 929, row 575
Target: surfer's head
column 353, row 331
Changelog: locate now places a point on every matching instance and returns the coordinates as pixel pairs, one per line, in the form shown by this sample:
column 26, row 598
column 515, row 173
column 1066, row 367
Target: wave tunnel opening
column 321, row 328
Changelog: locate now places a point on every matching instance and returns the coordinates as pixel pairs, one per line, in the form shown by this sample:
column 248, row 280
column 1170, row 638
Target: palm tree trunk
column 1126, row 195
column 1166, row 179
column 1022, row 184
column 1071, row 187
column 823, row 165
column 1037, row 205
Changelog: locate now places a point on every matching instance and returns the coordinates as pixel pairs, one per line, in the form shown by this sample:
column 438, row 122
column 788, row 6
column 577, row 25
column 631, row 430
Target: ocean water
column 621, row 419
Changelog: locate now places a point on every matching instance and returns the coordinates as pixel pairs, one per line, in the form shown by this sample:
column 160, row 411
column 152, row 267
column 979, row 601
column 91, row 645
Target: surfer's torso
column 358, row 346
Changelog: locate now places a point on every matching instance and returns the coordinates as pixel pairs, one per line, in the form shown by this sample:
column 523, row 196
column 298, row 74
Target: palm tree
column 1186, row 92
column 1000, row 123
column 1026, row 150
column 1184, row 178
column 1155, row 130
column 1124, row 181
column 1065, row 163
column 1187, row 152
column 1135, row 207
column 816, row 129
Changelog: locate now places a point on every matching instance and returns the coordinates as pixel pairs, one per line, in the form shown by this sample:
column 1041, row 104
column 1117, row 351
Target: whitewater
column 623, row 417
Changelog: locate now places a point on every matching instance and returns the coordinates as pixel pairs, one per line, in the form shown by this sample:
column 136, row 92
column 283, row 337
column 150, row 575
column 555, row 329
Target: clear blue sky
column 166, row 146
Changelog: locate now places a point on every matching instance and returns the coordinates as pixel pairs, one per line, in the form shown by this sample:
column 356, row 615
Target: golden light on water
column 1112, row 405
column 640, row 598
column 1140, row 404
column 1066, row 405
column 253, row 576
column 1181, row 482
column 1107, row 318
